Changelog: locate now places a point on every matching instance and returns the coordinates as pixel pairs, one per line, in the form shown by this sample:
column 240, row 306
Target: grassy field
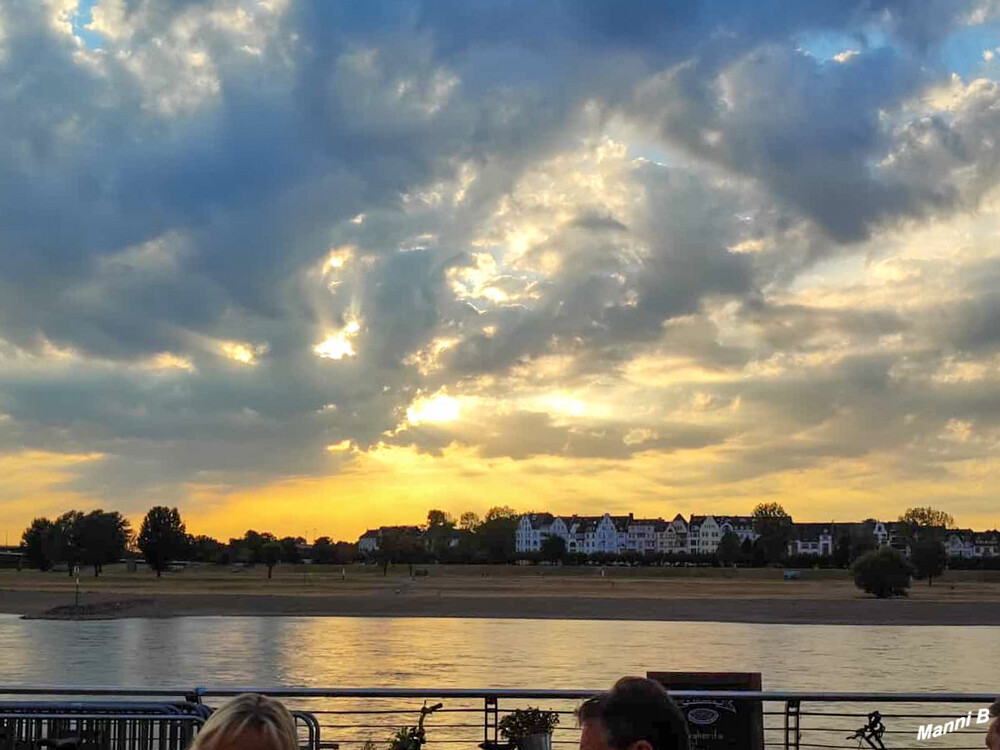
column 520, row 581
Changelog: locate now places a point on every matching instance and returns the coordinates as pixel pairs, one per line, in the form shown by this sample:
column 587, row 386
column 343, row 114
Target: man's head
column 993, row 730
column 636, row 714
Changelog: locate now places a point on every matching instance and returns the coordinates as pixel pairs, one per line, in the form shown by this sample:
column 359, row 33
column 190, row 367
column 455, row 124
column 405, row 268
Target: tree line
column 442, row 538
column 100, row 537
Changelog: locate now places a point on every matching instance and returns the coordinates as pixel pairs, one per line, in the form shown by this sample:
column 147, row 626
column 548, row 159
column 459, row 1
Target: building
column 368, row 542
column 371, row 540
column 674, row 539
column 987, row 544
column 602, row 537
column 742, row 526
column 534, row 528
column 704, row 534
column 606, row 534
column 812, row 539
column 961, row 543
column 701, row 534
column 640, row 536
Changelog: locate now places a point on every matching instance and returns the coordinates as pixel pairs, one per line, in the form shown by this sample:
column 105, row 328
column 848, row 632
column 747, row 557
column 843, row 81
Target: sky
column 313, row 267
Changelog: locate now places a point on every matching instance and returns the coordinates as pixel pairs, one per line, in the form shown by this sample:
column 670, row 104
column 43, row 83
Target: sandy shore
column 824, row 597
column 35, row 604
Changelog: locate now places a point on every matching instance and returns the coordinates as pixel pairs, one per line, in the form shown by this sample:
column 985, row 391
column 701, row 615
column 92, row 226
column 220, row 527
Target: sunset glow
column 338, row 345
column 265, row 264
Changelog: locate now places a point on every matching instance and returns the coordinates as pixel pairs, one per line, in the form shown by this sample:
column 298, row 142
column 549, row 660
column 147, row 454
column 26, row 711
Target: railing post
column 490, row 718
column 792, row 725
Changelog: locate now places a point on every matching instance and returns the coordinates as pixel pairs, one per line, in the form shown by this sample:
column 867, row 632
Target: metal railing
column 350, row 717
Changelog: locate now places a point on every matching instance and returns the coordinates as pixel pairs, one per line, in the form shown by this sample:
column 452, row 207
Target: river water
column 480, row 653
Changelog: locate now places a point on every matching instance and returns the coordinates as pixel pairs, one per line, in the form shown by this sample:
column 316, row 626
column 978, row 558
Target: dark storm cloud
column 180, row 188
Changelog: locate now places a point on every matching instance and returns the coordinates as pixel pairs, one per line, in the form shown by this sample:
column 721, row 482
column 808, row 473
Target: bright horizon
column 294, row 266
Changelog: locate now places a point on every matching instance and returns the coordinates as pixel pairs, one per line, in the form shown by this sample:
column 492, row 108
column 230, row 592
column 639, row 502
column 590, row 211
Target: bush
column 522, row 723
column 883, row 572
column 929, row 560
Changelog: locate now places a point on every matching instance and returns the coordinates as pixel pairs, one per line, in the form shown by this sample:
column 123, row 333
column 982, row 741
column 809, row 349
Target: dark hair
column 638, row 709
column 995, row 709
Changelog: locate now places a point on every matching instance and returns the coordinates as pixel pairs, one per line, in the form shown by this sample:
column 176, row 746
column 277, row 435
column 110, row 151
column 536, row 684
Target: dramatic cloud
column 259, row 244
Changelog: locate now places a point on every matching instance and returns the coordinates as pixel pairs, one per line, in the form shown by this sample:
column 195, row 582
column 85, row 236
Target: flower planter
column 539, row 741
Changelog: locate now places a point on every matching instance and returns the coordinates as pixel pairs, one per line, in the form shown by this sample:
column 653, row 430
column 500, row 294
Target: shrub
column 522, row 723
column 930, row 560
column 883, row 572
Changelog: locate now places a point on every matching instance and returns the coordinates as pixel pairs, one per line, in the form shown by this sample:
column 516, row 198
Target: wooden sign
column 718, row 724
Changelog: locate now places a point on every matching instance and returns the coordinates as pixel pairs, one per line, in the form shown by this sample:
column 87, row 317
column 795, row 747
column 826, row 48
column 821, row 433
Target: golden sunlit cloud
column 170, row 361
column 338, row 345
column 564, row 404
column 337, row 258
column 53, row 351
column 428, row 359
column 438, row 408
column 341, row 447
column 244, row 353
column 748, row 246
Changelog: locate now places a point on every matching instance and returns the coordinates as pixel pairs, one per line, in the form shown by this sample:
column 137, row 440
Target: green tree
column 929, row 559
column 253, row 543
column 162, row 538
column 68, row 538
column 468, row 521
column 553, row 548
column 103, row 537
column 730, row 548
column 495, row 535
column 345, row 553
column 399, row 545
column 290, row 546
column 438, row 532
column 842, row 550
column 883, row 572
column 40, row 543
column 926, row 517
column 774, row 526
column 270, row 555
column 323, row 551
column 206, row 549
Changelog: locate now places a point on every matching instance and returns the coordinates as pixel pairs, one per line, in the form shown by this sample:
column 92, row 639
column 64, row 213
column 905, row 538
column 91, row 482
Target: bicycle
column 413, row 738
column 871, row 732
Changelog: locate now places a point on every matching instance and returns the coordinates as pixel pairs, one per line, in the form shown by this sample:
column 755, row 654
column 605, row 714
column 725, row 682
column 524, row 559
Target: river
column 480, row 653
column 431, row 652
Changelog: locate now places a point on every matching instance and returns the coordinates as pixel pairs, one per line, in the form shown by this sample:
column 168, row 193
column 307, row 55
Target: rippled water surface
column 330, row 651
column 480, row 653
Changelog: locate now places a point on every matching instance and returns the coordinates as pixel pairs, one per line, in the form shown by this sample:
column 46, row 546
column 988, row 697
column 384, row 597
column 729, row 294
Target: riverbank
column 752, row 596
column 45, row 605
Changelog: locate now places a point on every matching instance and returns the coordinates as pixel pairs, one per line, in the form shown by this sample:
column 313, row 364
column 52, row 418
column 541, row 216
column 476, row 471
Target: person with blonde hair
column 248, row 722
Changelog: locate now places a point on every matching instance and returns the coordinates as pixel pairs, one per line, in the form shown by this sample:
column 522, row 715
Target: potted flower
column 529, row 728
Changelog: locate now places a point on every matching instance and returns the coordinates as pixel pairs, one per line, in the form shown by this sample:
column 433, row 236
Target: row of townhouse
column 619, row 534
column 967, row 543
column 822, row 538
column 701, row 535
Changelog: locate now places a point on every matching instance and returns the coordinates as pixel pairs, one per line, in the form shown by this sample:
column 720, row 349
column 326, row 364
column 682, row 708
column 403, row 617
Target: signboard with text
column 718, row 724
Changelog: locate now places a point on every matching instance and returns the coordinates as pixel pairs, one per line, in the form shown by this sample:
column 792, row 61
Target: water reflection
column 456, row 652
column 479, row 653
